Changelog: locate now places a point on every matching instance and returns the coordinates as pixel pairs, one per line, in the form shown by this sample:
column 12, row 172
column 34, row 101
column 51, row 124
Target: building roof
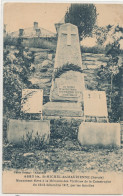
column 33, row 32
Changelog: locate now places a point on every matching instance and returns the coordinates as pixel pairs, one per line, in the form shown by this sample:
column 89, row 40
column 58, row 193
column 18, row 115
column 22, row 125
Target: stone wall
column 93, row 61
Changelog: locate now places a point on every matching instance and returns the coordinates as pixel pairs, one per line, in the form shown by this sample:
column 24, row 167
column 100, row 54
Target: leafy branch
column 65, row 68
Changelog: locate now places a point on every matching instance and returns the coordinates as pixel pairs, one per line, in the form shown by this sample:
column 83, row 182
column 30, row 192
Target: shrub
column 30, row 142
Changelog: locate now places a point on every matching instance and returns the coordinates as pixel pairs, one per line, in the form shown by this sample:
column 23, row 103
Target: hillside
column 58, row 155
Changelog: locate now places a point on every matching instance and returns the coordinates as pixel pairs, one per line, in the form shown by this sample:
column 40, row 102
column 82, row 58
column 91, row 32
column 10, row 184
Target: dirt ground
column 63, row 156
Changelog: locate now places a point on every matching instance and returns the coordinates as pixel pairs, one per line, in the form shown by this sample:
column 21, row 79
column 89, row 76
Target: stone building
column 31, row 32
column 35, row 36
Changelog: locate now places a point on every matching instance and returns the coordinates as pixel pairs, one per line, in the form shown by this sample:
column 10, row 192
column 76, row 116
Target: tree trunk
column 111, row 91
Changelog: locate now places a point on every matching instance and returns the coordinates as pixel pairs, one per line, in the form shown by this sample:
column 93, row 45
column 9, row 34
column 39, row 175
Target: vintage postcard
column 62, row 98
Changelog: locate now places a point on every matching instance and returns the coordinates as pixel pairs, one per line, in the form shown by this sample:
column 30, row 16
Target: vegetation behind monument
column 113, row 73
column 83, row 16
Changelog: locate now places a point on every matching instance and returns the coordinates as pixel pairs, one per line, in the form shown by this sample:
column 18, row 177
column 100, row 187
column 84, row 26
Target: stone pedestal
column 66, row 109
column 99, row 134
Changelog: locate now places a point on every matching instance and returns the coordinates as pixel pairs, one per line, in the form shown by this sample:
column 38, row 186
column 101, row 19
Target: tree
column 113, row 73
column 83, row 16
column 101, row 33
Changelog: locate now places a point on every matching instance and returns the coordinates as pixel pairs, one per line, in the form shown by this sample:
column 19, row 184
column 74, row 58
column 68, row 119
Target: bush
column 40, row 43
column 94, row 50
column 64, row 129
column 30, row 143
column 16, row 70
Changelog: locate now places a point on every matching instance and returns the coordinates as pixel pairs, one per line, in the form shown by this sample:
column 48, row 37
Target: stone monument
column 66, row 92
column 68, row 47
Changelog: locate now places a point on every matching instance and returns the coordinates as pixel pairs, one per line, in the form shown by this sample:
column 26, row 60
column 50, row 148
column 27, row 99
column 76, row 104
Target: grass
column 30, row 142
column 64, row 156
column 44, row 43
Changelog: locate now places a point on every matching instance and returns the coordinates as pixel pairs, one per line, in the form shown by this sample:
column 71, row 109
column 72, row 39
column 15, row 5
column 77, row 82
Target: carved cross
column 69, row 33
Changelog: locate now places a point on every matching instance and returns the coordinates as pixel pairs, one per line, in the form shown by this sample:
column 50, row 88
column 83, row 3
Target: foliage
column 64, row 156
column 101, row 34
column 113, row 73
column 16, row 69
column 94, row 49
column 107, row 34
column 9, row 41
column 33, row 142
column 64, row 129
column 113, row 50
column 65, row 68
column 43, row 43
column 83, row 16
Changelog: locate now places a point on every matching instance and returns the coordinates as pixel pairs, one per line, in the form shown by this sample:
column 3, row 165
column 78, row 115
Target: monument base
column 66, row 109
column 20, row 131
column 99, row 134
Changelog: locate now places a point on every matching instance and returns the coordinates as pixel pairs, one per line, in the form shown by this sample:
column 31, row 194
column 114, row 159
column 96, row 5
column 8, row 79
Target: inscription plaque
column 32, row 100
column 95, row 103
column 68, row 91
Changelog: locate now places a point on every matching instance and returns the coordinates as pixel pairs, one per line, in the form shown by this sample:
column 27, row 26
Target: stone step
column 92, row 55
column 69, row 109
column 93, row 58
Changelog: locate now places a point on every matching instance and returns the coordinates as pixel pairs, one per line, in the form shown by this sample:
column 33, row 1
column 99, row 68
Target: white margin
column 1, row 68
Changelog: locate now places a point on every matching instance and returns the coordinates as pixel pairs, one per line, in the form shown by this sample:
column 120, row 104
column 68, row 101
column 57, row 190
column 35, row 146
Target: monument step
column 68, row 118
column 69, row 109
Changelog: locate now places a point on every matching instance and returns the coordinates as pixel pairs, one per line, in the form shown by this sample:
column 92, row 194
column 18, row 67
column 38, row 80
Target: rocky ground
column 63, row 156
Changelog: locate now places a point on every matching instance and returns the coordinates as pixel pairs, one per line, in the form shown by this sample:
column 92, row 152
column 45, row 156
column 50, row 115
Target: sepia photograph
column 62, row 98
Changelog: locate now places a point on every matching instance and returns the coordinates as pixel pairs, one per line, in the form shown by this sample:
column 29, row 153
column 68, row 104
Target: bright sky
column 22, row 15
